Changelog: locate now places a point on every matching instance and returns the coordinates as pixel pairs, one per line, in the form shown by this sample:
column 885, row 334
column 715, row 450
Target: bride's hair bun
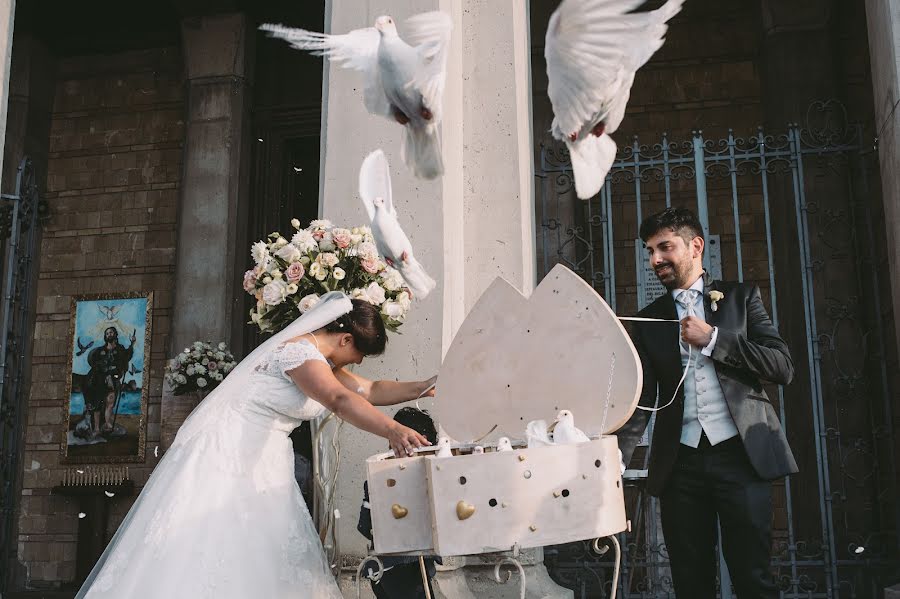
column 365, row 324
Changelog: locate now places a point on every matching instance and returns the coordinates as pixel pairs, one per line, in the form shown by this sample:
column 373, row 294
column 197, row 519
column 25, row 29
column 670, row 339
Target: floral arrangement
column 200, row 367
column 291, row 275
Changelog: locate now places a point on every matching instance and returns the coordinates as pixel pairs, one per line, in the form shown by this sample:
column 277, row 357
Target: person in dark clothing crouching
column 402, row 577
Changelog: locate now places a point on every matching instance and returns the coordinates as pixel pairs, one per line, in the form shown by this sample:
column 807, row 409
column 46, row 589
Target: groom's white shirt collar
column 698, row 285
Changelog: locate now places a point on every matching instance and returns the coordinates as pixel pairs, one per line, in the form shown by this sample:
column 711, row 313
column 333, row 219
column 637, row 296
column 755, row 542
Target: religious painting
column 109, row 352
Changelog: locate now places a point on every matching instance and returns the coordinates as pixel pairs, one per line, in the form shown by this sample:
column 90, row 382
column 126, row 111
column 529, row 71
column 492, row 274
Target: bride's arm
column 316, row 380
column 384, row 393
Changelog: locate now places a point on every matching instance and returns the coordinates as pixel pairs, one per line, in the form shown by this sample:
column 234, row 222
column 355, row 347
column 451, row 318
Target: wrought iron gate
column 794, row 213
column 19, row 214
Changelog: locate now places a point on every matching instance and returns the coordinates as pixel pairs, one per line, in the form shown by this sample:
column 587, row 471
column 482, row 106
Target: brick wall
column 112, row 186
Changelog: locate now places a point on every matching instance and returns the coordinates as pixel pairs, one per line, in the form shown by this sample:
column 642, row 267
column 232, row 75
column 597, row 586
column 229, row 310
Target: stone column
column 211, row 216
column 7, row 19
column 475, row 223
column 883, row 17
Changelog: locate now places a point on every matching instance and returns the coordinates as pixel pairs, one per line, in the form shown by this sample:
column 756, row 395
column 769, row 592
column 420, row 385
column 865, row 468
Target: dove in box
column 516, row 361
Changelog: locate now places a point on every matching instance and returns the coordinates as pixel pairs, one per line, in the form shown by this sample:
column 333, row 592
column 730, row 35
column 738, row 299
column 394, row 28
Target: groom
column 716, row 448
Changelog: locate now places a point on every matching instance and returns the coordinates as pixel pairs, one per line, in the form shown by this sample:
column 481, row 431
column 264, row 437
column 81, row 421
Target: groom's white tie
column 688, row 299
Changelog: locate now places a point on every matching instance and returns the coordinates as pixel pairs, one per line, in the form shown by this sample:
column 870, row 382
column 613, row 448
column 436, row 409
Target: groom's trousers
column 712, row 482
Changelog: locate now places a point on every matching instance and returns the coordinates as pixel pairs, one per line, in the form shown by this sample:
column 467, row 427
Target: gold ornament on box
column 464, row 510
column 399, row 511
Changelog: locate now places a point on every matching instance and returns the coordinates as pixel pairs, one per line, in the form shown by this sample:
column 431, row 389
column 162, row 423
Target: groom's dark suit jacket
column 748, row 350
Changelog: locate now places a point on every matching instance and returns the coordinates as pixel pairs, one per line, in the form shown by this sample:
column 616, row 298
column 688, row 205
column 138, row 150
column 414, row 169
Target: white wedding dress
column 222, row 516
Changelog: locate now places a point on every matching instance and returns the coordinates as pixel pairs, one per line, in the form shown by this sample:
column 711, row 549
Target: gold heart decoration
column 399, row 511
column 464, row 510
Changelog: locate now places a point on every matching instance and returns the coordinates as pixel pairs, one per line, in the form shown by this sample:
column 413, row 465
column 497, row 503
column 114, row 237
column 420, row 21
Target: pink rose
column 318, row 235
column 294, row 272
column 249, row 281
column 212, row 366
column 370, row 266
column 341, row 238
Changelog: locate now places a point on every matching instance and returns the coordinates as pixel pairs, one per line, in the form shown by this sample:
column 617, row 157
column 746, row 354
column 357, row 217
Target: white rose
column 338, row 274
column 321, row 223
column 222, row 346
column 276, row 274
column 328, row 259
column 404, row 300
column 199, row 369
column 307, row 302
column 267, row 279
column 280, row 243
column 391, row 279
column 367, row 251
column 260, row 253
column 254, row 317
column 201, row 382
column 292, row 288
column 295, row 223
column 375, row 293
column 393, row 310
column 304, row 241
column 360, row 294
column 189, row 370
column 274, row 292
column 318, row 271
column 180, row 379
column 289, row 253
column 355, row 238
column 326, row 244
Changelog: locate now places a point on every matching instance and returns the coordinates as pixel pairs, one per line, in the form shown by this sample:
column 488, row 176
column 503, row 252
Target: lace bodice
column 273, row 396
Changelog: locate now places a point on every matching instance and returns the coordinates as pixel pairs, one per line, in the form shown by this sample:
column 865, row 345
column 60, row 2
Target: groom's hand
column 696, row 331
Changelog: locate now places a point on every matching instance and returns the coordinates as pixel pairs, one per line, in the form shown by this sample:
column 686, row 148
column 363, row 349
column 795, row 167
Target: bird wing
column 429, row 33
column 593, row 48
column 357, row 50
column 375, row 182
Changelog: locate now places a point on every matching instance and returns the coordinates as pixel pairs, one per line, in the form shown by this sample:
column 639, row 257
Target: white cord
column 687, row 364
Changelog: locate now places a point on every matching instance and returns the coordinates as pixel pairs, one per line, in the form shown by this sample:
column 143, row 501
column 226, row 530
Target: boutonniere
column 714, row 296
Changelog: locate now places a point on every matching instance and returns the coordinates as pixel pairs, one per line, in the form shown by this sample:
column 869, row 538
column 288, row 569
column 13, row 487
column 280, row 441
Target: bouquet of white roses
column 200, row 367
column 291, row 275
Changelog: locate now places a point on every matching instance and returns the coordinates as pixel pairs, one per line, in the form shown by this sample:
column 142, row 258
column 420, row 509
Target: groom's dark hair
column 419, row 421
column 680, row 221
column 365, row 324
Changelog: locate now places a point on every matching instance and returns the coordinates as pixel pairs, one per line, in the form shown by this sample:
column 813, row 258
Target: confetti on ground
column 859, row 550
column 108, row 494
column 81, row 515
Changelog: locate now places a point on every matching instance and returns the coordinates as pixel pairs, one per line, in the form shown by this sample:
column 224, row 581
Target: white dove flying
column 504, row 444
column 564, row 430
column 443, row 445
column 536, row 434
column 593, row 49
column 391, row 240
column 403, row 81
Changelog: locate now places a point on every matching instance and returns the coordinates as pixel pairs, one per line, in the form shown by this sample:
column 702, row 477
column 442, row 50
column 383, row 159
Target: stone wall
column 112, row 186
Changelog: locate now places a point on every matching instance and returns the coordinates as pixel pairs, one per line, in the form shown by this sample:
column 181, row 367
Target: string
column 687, row 365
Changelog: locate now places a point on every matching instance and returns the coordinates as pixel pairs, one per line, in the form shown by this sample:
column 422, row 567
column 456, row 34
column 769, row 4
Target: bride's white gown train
column 222, row 516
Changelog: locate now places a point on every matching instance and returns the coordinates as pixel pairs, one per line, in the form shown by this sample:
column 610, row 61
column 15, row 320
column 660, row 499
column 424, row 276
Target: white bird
column 390, row 239
column 478, row 449
column 593, row 49
column 403, row 81
column 443, row 445
column 564, row 430
column 536, row 434
column 504, row 444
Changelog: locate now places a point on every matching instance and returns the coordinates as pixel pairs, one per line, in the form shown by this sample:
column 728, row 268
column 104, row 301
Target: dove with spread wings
column 404, row 79
column 593, row 50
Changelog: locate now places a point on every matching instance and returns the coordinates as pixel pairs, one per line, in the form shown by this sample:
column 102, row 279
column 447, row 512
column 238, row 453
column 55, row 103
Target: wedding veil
column 329, row 308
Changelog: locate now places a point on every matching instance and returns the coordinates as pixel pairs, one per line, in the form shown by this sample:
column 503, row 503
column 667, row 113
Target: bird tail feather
column 592, row 157
column 418, row 280
column 422, row 151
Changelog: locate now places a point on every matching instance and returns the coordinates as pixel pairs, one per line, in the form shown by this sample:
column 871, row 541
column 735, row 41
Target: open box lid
column 517, row 359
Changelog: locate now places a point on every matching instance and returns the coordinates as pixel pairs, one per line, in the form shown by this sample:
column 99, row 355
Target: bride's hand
column 428, row 387
column 404, row 440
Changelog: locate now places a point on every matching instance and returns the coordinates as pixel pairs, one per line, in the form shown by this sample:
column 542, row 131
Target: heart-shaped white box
column 513, row 360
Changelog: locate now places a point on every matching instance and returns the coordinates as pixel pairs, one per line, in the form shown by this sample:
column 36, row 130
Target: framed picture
column 109, row 351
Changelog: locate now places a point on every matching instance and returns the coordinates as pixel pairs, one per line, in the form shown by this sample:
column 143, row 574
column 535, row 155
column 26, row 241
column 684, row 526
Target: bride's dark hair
column 365, row 324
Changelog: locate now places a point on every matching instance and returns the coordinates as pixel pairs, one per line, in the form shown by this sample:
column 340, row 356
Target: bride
column 221, row 516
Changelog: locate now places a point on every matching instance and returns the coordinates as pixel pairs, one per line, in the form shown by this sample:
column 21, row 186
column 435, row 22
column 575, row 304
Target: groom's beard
column 674, row 275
